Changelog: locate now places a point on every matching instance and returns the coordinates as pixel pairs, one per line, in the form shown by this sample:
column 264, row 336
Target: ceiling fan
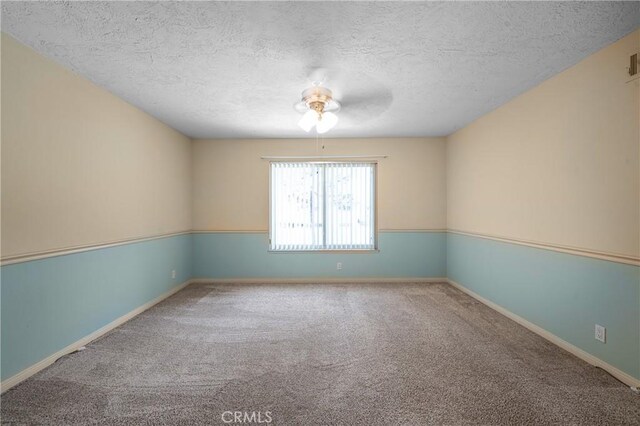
column 367, row 99
column 319, row 109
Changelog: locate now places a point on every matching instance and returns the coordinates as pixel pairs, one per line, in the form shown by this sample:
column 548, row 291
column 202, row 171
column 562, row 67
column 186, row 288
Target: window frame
column 375, row 248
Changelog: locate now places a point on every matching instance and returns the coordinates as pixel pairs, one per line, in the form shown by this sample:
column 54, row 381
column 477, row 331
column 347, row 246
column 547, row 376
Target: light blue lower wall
column 562, row 293
column 242, row 255
column 50, row 303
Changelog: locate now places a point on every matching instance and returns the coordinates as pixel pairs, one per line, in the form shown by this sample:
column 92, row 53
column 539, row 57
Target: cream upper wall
column 231, row 181
column 81, row 166
column 557, row 165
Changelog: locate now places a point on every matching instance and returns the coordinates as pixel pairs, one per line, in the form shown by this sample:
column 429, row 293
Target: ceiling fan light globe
column 328, row 122
column 308, row 120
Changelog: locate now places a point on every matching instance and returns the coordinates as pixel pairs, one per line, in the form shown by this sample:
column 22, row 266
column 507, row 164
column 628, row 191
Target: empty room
column 320, row 213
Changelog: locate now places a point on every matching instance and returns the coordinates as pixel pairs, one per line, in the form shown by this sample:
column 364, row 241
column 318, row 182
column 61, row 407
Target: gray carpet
column 357, row 354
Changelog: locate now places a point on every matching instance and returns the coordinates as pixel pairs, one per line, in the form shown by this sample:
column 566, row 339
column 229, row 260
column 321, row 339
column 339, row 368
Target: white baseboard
column 617, row 373
column 319, row 280
column 30, row 371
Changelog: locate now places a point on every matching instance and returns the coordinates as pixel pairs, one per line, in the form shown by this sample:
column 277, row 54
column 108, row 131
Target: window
column 322, row 206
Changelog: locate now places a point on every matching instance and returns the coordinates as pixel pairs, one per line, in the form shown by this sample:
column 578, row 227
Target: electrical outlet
column 173, row 273
column 601, row 333
column 339, row 266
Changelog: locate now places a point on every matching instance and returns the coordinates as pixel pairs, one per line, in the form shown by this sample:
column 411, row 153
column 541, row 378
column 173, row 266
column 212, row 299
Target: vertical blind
column 322, row 206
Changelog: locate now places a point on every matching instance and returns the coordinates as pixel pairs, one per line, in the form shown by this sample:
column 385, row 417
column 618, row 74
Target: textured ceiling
column 234, row 69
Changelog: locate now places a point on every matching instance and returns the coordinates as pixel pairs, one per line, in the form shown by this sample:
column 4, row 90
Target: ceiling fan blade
column 366, row 106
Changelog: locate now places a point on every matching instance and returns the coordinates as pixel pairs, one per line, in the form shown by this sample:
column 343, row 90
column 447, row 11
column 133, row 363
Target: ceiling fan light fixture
column 318, row 108
column 308, row 120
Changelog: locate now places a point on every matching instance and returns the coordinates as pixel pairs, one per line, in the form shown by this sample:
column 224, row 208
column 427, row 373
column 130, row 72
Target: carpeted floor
column 306, row 354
